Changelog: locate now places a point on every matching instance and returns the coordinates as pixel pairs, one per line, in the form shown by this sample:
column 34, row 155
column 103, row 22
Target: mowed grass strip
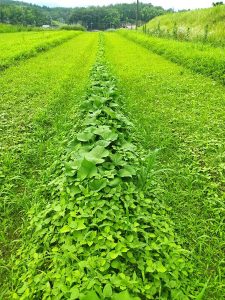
column 39, row 103
column 198, row 57
column 182, row 115
column 21, row 45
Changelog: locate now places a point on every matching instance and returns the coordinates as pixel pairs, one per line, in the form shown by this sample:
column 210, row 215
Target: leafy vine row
column 101, row 236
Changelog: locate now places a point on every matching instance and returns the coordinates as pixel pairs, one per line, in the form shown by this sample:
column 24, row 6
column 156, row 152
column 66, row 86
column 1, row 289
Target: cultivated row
column 100, row 232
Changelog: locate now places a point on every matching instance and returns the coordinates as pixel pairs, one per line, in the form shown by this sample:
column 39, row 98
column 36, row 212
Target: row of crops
column 100, row 231
column 95, row 206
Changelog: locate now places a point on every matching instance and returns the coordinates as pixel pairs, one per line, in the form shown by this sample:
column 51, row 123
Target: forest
column 112, row 16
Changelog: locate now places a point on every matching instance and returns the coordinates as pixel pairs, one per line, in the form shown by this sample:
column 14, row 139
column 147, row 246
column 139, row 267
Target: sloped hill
column 202, row 24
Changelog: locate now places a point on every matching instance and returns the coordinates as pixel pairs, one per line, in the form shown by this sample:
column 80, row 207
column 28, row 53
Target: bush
column 77, row 27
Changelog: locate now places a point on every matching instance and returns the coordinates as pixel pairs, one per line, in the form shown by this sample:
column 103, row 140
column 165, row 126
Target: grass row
column 17, row 46
column 182, row 115
column 102, row 231
column 4, row 28
column 35, row 120
column 200, row 58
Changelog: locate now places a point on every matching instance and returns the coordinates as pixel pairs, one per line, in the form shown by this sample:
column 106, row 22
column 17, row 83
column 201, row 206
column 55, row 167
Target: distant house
column 128, row 26
column 46, row 26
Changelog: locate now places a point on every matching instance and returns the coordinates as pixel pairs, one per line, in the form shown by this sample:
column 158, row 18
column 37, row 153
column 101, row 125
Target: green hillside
column 202, row 24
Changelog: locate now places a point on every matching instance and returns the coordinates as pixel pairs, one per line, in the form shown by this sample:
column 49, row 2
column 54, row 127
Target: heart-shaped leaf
column 87, row 169
column 97, row 154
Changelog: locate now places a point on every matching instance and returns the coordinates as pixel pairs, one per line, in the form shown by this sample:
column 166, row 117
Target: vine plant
column 100, row 236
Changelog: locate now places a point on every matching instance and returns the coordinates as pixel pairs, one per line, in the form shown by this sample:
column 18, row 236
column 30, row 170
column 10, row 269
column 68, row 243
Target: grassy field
column 112, row 174
column 34, row 122
column 200, row 58
column 182, row 115
column 18, row 46
column 197, row 25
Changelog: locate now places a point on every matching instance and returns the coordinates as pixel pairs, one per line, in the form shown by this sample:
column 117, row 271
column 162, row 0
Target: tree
column 94, row 17
column 217, row 3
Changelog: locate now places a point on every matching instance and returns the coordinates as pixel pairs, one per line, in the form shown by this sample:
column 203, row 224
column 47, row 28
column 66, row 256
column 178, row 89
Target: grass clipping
column 100, row 236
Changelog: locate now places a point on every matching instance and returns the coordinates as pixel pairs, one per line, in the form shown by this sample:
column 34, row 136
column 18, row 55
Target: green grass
column 20, row 45
column 101, row 230
column 192, row 25
column 182, row 115
column 39, row 105
column 93, row 202
column 204, row 59
column 16, row 28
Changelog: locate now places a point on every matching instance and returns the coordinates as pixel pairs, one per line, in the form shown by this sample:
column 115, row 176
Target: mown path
column 182, row 114
column 16, row 47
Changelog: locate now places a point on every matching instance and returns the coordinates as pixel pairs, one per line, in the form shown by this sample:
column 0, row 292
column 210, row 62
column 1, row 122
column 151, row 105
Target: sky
column 176, row 4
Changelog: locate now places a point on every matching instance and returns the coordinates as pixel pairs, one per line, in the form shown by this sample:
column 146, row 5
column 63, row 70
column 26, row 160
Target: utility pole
column 137, row 14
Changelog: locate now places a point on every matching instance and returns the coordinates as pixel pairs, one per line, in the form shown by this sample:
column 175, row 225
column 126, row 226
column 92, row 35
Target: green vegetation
column 200, row 58
column 98, row 17
column 101, row 229
column 39, row 102
column 76, row 27
column 18, row 46
column 198, row 25
column 94, row 206
column 182, row 115
column 15, row 28
column 115, row 16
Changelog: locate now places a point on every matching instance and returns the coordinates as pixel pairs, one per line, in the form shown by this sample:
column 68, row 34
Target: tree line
column 94, row 17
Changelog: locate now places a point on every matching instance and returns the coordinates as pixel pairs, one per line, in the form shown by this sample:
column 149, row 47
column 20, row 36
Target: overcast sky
column 176, row 4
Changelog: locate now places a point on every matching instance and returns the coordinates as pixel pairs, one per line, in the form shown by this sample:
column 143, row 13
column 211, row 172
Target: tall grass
column 202, row 24
column 5, row 28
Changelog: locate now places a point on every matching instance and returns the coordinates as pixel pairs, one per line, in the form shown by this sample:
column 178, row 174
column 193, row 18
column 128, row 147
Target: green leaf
column 74, row 293
column 160, row 268
column 115, row 182
column 117, row 159
column 107, row 291
column 110, row 112
column 129, row 147
column 90, row 296
column 85, row 136
column 202, row 293
column 77, row 224
column 98, row 184
column 127, row 171
column 98, row 101
column 150, row 266
column 106, row 133
column 65, row 229
column 97, row 154
column 57, row 208
column 115, row 264
column 122, row 296
column 113, row 254
column 103, row 143
column 74, row 190
column 87, row 169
